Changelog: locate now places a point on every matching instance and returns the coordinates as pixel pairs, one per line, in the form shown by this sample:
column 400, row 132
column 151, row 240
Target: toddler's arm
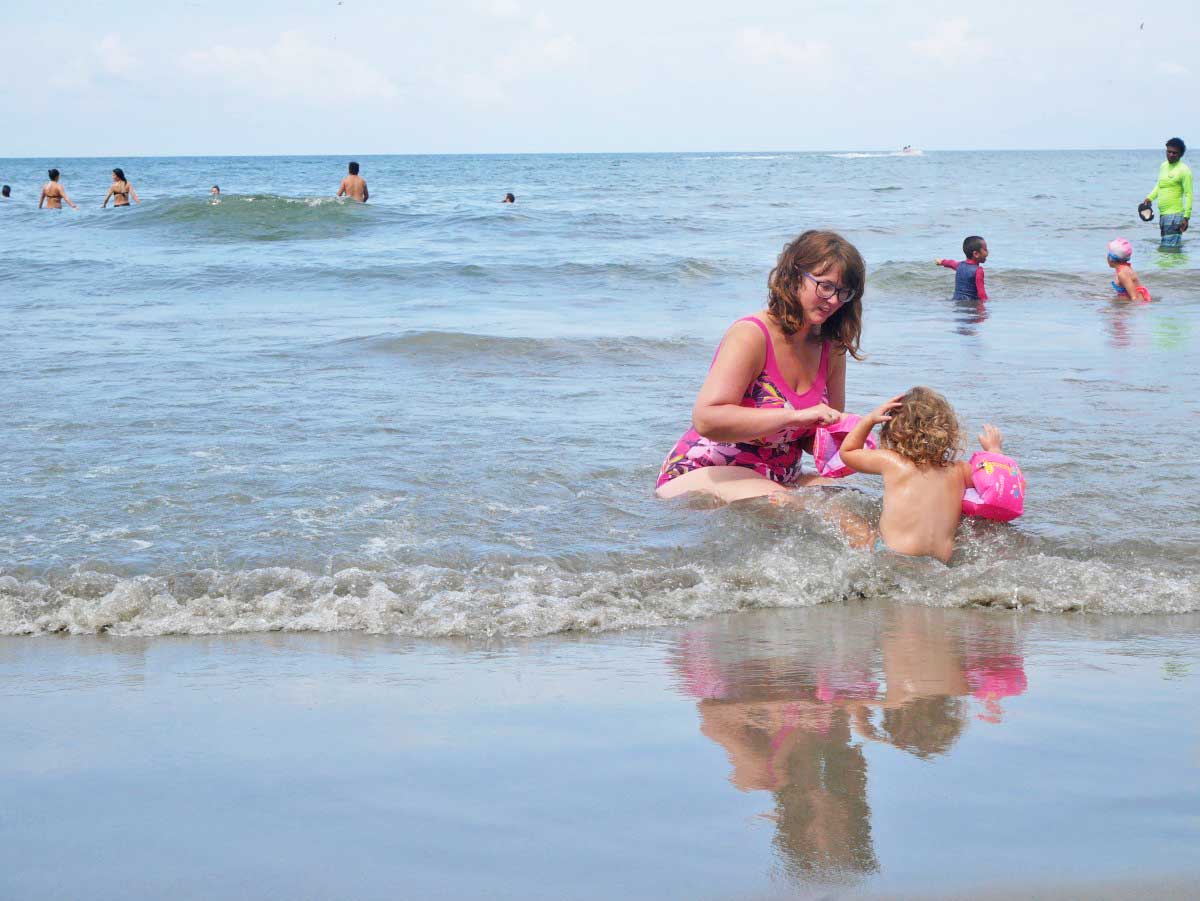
column 991, row 439
column 853, row 453
column 1127, row 280
column 979, row 289
column 949, row 264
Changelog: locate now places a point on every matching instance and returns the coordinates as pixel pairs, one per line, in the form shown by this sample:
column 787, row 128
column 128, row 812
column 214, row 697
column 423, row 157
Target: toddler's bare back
column 922, row 507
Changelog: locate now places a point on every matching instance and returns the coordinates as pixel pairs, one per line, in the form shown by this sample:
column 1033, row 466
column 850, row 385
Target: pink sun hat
column 1120, row 250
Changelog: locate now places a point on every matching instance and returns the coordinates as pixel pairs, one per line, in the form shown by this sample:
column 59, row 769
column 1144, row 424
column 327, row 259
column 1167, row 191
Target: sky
column 200, row 77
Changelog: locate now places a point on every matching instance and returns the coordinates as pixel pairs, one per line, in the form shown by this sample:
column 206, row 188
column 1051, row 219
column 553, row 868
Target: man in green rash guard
column 1174, row 193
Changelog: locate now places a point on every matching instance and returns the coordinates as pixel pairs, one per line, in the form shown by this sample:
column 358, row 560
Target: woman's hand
column 821, row 414
column 991, row 439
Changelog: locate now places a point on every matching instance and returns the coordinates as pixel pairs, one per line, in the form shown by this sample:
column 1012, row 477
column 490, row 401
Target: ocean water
column 440, row 415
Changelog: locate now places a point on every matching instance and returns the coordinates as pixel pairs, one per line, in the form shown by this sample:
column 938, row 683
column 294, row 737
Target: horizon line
column 886, row 150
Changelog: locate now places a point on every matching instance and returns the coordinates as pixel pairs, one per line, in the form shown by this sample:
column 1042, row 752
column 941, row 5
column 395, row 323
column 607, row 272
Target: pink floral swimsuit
column 777, row 456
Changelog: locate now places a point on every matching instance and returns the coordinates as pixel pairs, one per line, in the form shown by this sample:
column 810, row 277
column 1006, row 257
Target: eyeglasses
column 827, row 290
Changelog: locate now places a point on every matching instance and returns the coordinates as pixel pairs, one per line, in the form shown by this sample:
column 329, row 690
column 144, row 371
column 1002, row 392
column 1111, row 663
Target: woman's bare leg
column 858, row 531
column 731, row 483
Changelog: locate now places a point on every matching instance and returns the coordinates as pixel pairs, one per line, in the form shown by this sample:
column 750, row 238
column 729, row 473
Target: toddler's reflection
column 788, row 721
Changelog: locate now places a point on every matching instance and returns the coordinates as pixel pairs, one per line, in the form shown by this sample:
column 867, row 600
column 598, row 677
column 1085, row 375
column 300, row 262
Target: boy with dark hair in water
column 6, row 191
column 968, row 273
column 354, row 185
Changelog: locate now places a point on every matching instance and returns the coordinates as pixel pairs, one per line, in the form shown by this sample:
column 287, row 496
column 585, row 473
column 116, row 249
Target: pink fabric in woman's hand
column 827, row 441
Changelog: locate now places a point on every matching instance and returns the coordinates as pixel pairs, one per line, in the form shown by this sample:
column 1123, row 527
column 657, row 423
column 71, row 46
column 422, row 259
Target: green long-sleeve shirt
column 1174, row 189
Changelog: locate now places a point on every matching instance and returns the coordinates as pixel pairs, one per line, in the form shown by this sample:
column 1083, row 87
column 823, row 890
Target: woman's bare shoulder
column 746, row 333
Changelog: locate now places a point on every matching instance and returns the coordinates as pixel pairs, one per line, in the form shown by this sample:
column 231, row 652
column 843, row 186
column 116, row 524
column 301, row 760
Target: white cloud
column 480, row 89
column 1166, row 67
column 293, row 68
column 503, row 9
column 116, row 59
column 533, row 48
column 107, row 58
column 532, row 57
column 950, row 43
column 773, row 49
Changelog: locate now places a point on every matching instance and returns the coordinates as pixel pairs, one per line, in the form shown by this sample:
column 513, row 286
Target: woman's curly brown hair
column 813, row 252
column 923, row 429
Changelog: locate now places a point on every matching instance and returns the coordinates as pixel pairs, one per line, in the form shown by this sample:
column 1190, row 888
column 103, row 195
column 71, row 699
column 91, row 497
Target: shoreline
column 865, row 748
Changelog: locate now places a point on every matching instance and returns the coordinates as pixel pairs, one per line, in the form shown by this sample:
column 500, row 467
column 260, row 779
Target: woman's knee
column 726, row 483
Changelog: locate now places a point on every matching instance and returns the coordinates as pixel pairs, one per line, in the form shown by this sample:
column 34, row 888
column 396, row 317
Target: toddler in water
column 968, row 273
column 923, row 481
column 1126, row 284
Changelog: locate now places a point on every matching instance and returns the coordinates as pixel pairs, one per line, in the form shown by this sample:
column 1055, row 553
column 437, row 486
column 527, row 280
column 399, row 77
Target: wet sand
column 879, row 750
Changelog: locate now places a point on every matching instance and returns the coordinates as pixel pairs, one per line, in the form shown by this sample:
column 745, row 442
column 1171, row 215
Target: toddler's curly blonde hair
column 923, row 429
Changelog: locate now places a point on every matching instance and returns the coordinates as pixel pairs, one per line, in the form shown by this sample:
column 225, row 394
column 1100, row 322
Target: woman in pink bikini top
column 775, row 377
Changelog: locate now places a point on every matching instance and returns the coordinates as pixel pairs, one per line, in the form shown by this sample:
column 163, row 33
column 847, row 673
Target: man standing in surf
column 354, row 185
column 1174, row 193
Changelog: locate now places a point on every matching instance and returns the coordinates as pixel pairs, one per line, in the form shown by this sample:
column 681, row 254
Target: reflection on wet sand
column 794, row 719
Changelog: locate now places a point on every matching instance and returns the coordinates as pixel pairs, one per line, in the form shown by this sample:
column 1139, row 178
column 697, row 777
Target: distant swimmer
column 354, row 186
column 1174, row 194
column 968, row 273
column 53, row 194
column 215, row 190
column 509, row 198
column 6, row 192
column 121, row 191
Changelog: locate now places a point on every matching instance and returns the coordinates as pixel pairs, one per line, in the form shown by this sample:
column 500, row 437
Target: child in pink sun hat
column 1126, row 283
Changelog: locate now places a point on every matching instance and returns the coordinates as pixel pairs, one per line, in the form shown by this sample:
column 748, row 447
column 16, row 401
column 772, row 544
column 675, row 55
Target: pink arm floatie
column 998, row 488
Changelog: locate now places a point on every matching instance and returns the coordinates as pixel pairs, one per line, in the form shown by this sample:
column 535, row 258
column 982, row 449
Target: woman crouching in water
column 776, row 376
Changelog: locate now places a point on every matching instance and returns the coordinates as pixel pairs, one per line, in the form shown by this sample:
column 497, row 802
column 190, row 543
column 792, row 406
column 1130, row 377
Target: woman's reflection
column 795, row 724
